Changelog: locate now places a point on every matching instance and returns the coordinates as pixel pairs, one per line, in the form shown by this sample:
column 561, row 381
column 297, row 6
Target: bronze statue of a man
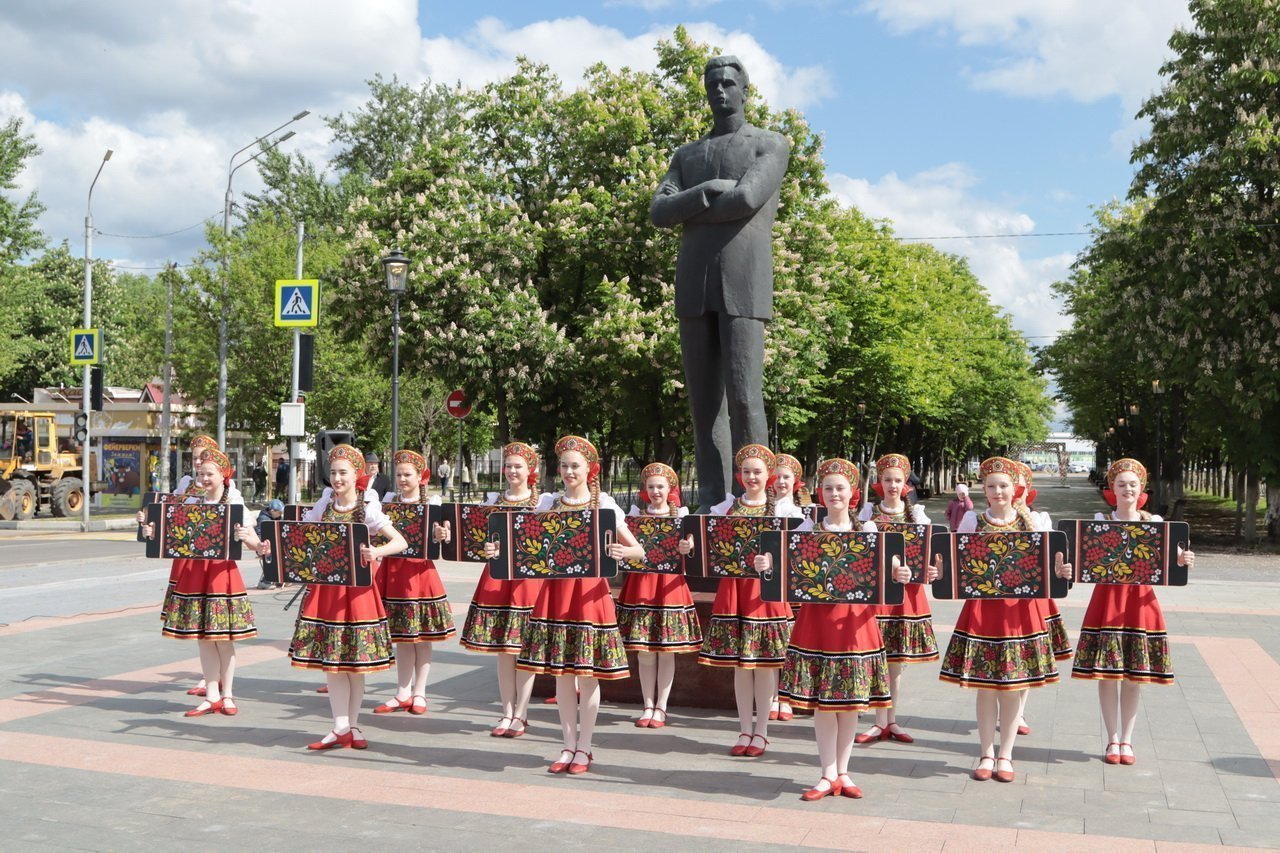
column 723, row 188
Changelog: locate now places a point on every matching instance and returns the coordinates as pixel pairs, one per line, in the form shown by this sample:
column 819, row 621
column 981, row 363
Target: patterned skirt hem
column 208, row 617
column 849, row 681
column 746, row 644
column 1008, row 664
column 583, row 649
column 673, row 630
column 1123, row 655
column 419, row 620
column 908, row 640
column 494, row 630
column 1061, row 643
column 341, row 646
column 361, row 668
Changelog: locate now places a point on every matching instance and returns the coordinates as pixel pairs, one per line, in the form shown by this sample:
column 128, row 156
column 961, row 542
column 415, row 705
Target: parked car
column 1079, row 468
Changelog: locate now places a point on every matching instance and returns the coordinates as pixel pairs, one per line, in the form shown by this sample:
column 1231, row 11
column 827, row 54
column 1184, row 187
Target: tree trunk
column 1251, row 504
column 1239, row 490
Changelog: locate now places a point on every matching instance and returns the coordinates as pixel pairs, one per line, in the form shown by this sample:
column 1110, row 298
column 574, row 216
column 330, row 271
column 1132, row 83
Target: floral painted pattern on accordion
column 1125, row 553
column 195, row 531
column 475, row 530
column 734, row 541
column 411, row 521
column 916, row 538
column 316, row 553
column 660, row 538
column 839, row 567
column 1005, row 564
column 553, row 544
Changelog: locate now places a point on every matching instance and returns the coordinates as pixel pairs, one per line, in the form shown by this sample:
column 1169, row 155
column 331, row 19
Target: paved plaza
column 95, row 752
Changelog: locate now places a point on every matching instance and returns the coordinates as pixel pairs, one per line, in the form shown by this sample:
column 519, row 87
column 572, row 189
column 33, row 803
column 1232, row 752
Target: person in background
column 259, row 481
column 273, row 511
column 282, row 476
column 378, row 481
column 443, row 471
column 466, row 479
column 959, row 505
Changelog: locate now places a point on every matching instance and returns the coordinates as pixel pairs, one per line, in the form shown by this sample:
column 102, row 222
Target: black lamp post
column 1158, row 391
column 395, row 267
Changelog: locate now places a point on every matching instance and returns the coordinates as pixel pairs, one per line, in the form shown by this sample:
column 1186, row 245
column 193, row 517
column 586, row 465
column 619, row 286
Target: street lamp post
column 85, row 474
column 395, row 267
column 232, row 166
column 1157, row 391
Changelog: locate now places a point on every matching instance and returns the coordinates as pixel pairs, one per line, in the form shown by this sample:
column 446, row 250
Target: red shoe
column 229, row 706
column 900, row 736
column 551, row 700
column 358, row 740
column 418, row 706
column 340, row 741
column 1112, row 757
column 500, row 730
column 754, row 751
column 1127, row 760
column 848, row 789
column 561, row 766
column 655, row 723
column 1005, row 775
column 814, row 794
column 1023, row 728
column 645, row 721
column 196, row 691
column 513, row 732
column 982, row 774
column 205, row 707
column 575, row 768
column 740, row 749
column 392, row 705
column 323, row 689
column 785, row 714
column 872, row 734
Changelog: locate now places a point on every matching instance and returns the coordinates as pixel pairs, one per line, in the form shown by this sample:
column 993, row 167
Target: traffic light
column 81, row 430
column 306, row 361
column 95, row 388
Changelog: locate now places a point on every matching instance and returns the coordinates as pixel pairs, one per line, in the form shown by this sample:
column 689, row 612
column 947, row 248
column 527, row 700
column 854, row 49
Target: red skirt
column 342, row 629
column 174, row 570
column 907, row 628
column 1000, row 644
column 207, row 601
column 498, row 614
column 656, row 614
column 746, row 631
column 417, row 607
column 1123, row 637
column 573, row 630
column 835, row 660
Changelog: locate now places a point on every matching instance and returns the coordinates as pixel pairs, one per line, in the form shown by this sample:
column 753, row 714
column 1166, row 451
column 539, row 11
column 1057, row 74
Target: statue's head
column 726, row 82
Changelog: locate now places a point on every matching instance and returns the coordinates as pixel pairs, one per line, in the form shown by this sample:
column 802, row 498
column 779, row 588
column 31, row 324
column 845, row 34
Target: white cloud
column 942, row 204
column 1084, row 49
column 175, row 86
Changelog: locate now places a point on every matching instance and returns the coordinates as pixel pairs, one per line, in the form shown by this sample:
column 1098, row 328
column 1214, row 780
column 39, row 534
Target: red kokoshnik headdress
column 1119, row 467
column 414, row 458
column 844, row 468
column 356, row 458
column 661, row 469
column 786, row 460
column 528, row 454
column 217, row 457
column 756, row 451
column 999, row 465
column 202, row 442
column 891, row 460
column 587, row 449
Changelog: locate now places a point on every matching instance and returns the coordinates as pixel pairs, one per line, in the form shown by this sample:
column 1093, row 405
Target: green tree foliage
column 1180, row 285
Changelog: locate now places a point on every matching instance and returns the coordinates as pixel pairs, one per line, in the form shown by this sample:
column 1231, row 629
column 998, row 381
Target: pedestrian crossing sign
column 297, row 302
column 86, row 346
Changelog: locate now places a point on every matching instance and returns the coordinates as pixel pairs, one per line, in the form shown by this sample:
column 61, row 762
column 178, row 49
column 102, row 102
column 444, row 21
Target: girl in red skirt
column 907, row 628
column 1001, row 647
column 655, row 611
column 836, row 664
column 342, row 630
column 573, row 631
column 747, row 633
column 189, row 486
column 418, row 612
column 788, row 490
column 1123, row 644
column 500, row 610
column 208, row 602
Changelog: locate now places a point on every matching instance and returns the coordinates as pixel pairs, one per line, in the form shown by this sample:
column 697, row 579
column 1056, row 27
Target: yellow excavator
column 35, row 474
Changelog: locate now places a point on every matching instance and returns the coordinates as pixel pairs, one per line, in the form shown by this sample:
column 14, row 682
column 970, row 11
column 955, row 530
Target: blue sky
column 949, row 117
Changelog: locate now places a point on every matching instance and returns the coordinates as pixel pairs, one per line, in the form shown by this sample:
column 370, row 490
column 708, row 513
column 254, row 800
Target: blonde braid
column 422, row 491
column 594, row 487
